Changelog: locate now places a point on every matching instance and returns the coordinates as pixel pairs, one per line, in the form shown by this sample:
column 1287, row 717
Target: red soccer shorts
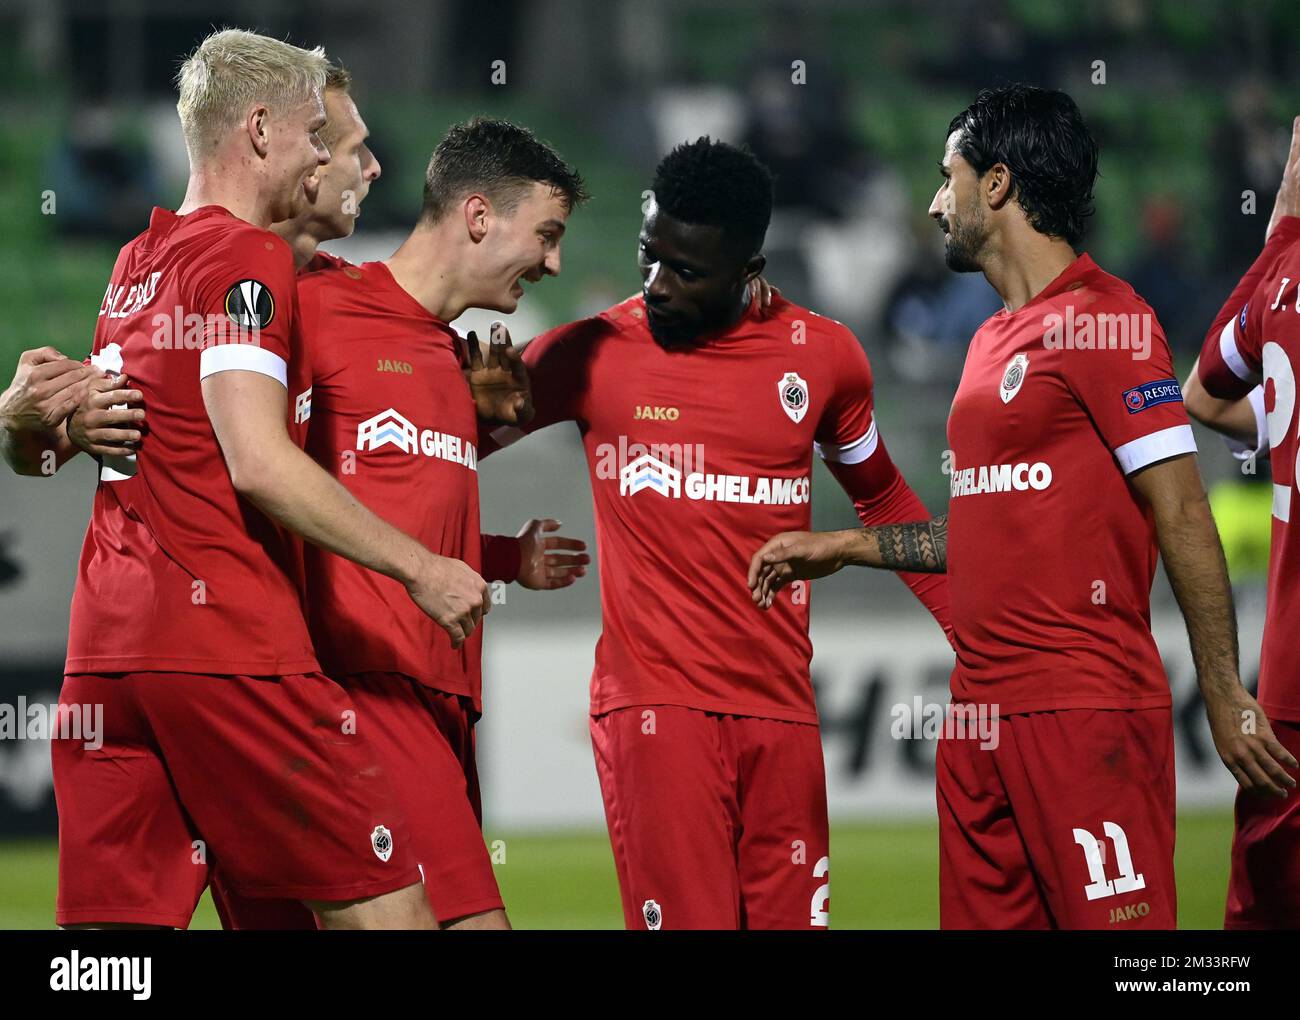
column 1264, row 890
column 1067, row 823
column 716, row 821
column 425, row 743
column 258, row 777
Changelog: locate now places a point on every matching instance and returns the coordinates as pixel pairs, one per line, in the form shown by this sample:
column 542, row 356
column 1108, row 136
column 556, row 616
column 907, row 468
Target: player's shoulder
column 628, row 314
column 1106, row 292
column 328, row 279
column 811, row 328
column 587, row 332
column 321, row 261
column 1286, row 264
column 221, row 240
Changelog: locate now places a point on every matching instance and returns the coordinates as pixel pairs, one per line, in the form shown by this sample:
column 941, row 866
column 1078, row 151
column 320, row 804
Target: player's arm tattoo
column 921, row 547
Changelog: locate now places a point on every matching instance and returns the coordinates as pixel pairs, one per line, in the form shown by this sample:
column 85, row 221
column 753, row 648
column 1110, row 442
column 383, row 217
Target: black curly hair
column 719, row 185
column 502, row 160
column 1041, row 137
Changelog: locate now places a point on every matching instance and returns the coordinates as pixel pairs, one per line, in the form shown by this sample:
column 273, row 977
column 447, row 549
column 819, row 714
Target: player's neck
column 214, row 188
column 427, row 267
column 1019, row 268
column 300, row 239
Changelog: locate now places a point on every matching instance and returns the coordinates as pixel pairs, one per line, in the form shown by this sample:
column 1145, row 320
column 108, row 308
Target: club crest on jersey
column 794, row 396
column 1014, row 376
column 654, row 916
column 381, row 841
column 249, row 304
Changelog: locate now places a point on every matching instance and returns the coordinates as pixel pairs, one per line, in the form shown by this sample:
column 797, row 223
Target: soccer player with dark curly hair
column 699, row 413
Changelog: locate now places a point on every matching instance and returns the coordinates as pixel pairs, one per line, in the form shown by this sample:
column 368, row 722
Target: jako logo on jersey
column 249, row 304
column 645, row 412
column 1162, row 391
column 1128, row 913
column 647, row 472
column 1014, row 376
column 653, row 914
column 392, row 428
column 1001, row 478
column 388, row 365
column 381, row 840
column 794, row 396
column 302, row 406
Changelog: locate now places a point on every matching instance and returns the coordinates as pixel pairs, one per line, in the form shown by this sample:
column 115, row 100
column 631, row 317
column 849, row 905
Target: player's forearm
column 1198, row 574
column 920, row 546
column 894, row 500
column 292, row 489
column 1235, row 418
column 493, row 437
column 34, row 453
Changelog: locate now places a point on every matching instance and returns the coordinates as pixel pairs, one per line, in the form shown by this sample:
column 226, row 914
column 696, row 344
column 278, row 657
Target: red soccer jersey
column 1257, row 337
column 1051, row 553
column 697, row 457
column 393, row 420
column 177, row 573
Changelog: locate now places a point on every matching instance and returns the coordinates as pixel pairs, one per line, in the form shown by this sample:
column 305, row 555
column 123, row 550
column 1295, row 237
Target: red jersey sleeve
column 245, row 293
column 1229, row 367
column 501, row 557
column 848, row 441
column 557, row 363
column 1135, row 402
column 847, row 432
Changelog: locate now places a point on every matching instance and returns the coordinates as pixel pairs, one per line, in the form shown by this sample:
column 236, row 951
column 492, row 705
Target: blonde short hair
column 231, row 69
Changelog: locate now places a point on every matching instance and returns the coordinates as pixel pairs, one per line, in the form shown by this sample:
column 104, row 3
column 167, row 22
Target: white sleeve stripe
column 1231, row 356
column 245, row 358
column 1144, row 450
column 850, row 453
column 507, row 434
column 1282, row 502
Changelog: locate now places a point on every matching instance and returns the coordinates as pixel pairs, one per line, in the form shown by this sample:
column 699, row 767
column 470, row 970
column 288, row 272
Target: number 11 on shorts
column 1099, row 885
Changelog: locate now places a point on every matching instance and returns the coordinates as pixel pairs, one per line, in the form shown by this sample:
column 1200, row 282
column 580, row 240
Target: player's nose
column 551, row 264
column 654, row 285
column 936, row 206
column 372, row 168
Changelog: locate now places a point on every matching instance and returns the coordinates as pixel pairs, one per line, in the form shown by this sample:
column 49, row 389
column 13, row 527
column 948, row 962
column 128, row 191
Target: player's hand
column 1245, row 742
column 1287, row 202
column 546, row 561
column 46, row 388
column 763, row 292
column 104, row 425
column 792, row 556
column 453, row 595
column 499, row 383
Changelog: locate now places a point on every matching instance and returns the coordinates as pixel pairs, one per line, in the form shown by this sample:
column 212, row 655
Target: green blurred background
column 1190, row 100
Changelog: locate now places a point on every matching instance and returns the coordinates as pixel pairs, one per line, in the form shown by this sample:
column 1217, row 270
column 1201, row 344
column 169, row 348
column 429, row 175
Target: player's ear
column 256, row 125
column 477, row 211
column 997, row 185
column 754, row 267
